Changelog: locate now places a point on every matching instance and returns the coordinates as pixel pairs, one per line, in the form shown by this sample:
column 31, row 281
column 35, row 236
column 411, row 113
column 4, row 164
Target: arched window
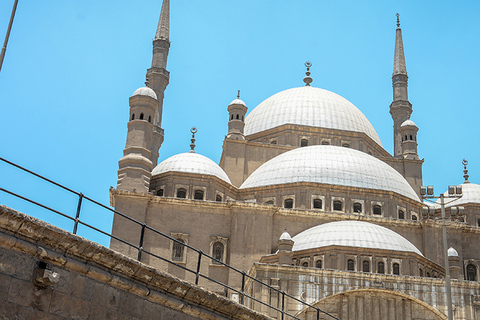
column 270, row 202
column 273, row 142
column 303, row 143
column 325, row 143
column 217, row 252
column 305, row 264
column 177, row 250
column 231, row 118
column 411, row 137
column 381, row 267
column 160, row 192
column 401, row 214
column 317, row 203
column 405, row 138
column 198, row 195
column 337, row 205
column 346, row 145
column 242, row 118
column 396, row 268
column 377, row 209
column 471, row 272
column 350, row 265
column 478, row 222
column 288, row 203
column 181, row 193
column 238, row 117
column 357, row 207
column 218, row 198
column 150, row 119
column 414, row 217
column 141, row 116
column 366, row 266
column 133, row 116
column 420, row 272
column 428, row 274
column 318, row 264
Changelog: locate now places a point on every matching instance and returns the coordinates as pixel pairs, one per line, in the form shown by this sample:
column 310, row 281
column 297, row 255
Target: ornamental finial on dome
column 398, row 20
column 308, row 79
column 465, row 171
column 192, row 145
column 238, row 94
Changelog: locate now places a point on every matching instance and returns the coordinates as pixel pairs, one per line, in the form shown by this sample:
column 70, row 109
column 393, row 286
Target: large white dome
column 330, row 165
column 308, row 106
column 191, row 163
column 471, row 194
column 357, row 234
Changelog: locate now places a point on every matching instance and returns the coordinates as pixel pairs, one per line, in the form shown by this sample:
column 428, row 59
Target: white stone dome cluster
column 308, row 106
column 191, row 163
column 330, row 165
column 357, row 234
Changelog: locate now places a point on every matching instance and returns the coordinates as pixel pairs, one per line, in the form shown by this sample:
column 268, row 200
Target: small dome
column 191, row 163
column 285, row 236
column 352, row 234
column 330, row 165
column 309, row 106
column 408, row 123
column 452, row 252
column 145, row 91
column 471, row 194
column 238, row 101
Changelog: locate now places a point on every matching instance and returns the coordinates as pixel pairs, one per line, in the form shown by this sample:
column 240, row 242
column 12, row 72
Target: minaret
column 237, row 109
column 158, row 76
column 401, row 108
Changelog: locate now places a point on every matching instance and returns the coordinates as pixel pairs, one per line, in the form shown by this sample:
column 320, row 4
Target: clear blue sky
column 71, row 66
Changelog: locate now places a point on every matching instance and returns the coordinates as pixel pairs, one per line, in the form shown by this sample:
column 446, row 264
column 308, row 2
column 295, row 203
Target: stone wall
column 48, row 273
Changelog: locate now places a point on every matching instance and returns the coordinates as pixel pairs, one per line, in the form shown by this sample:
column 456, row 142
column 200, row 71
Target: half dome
column 357, row 234
column 471, row 194
column 309, row 106
column 330, row 165
column 191, row 163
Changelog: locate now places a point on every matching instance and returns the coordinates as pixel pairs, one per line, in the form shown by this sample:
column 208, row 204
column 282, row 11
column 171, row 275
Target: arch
column 317, row 204
column 335, row 303
column 366, row 266
column 350, row 265
column 198, row 194
column 238, row 116
column 319, row 264
column 377, row 209
column 141, row 116
column 160, row 192
column 150, row 119
column 218, row 250
column 231, row 118
column 133, row 116
column 305, row 264
column 303, row 143
column 381, row 267
column 181, row 193
column 218, row 198
column 401, row 214
column 325, row 143
column 288, row 203
column 396, row 269
column 270, row 202
column 471, row 272
column 357, row 207
column 337, row 205
column 411, row 137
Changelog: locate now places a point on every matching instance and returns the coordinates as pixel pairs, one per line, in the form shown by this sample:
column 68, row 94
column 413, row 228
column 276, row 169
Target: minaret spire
column 158, row 76
column 401, row 108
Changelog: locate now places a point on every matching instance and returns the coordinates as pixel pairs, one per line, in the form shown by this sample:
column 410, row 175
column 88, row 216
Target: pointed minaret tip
column 399, row 66
column 163, row 28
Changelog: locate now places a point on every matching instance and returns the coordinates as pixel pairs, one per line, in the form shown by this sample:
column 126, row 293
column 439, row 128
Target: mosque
column 304, row 198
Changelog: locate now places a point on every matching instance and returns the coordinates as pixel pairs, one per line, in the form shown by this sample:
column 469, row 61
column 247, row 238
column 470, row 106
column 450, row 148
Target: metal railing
column 244, row 297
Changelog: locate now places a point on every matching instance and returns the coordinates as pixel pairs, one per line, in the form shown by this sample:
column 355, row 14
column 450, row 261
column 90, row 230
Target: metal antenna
column 4, row 48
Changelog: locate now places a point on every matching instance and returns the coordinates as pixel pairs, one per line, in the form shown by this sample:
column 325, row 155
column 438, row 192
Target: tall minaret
column 158, row 76
column 401, row 108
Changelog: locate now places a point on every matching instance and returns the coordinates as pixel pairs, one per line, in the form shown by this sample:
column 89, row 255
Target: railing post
column 200, row 253
column 140, row 245
column 243, row 288
column 318, row 314
column 283, row 305
column 77, row 215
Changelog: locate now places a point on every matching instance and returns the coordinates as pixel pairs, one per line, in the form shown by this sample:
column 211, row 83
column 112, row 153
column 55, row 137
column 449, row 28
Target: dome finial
column 465, row 171
column 192, row 145
column 238, row 94
column 398, row 20
column 308, row 79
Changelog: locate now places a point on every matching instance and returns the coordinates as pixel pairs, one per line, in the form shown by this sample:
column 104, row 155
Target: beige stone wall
column 89, row 281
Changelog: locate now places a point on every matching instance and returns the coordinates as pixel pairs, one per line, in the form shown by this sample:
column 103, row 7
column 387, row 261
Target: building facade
column 305, row 198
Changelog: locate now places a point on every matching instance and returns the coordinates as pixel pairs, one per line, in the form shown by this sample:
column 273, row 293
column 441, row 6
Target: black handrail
column 141, row 249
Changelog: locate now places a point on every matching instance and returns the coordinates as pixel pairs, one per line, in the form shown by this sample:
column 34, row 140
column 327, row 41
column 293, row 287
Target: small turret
column 237, row 109
column 408, row 132
column 135, row 166
column 454, row 263
column 285, row 247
